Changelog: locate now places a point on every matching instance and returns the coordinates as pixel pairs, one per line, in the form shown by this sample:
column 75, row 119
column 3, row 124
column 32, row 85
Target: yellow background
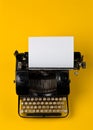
column 20, row 19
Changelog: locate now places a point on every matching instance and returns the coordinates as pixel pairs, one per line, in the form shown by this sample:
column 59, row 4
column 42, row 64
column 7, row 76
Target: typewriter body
column 43, row 92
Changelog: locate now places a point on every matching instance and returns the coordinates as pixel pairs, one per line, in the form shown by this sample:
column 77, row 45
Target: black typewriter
column 43, row 93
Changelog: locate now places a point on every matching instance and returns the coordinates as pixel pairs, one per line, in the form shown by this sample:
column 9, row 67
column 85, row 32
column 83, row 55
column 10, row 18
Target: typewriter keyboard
column 43, row 106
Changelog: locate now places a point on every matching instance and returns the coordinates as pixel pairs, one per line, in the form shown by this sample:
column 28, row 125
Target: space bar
column 43, row 114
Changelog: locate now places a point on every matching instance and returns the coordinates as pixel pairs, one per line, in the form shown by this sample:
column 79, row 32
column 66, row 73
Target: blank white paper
column 51, row 52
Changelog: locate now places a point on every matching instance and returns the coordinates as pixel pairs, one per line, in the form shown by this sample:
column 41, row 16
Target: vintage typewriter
column 43, row 84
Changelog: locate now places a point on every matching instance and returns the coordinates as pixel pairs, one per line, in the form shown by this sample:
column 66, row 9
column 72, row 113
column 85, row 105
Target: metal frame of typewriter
column 58, row 88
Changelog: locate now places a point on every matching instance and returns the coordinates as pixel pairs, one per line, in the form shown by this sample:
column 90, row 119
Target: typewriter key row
column 42, row 111
column 44, row 99
column 41, row 103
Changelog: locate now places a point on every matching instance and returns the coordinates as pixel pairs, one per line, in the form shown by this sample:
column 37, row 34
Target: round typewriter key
column 59, row 107
column 36, row 99
column 56, row 99
column 58, row 103
column 48, row 99
column 33, row 110
column 39, row 107
column 50, row 103
column 47, row 107
column 37, row 110
column 62, row 103
column 38, row 103
column 30, row 103
column 41, row 110
column 24, row 99
column 55, row 107
column 58, row 110
column 46, row 103
column 54, row 110
column 28, row 99
column 60, row 99
column 54, row 103
column 27, row 107
column 40, row 99
column 29, row 111
column 35, row 107
column 64, row 98
column 45, row 110
column 51, row 107
column 26, row 111
column 31, row 107
column 43, row 107
column 42, row 103
column 50, row 110
column 23, row 107
column 44, row 99
column 32, row 99
column 34, row 103
column 52, row 99
column 22, row 103
column 62, row 106
column 26, row 103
